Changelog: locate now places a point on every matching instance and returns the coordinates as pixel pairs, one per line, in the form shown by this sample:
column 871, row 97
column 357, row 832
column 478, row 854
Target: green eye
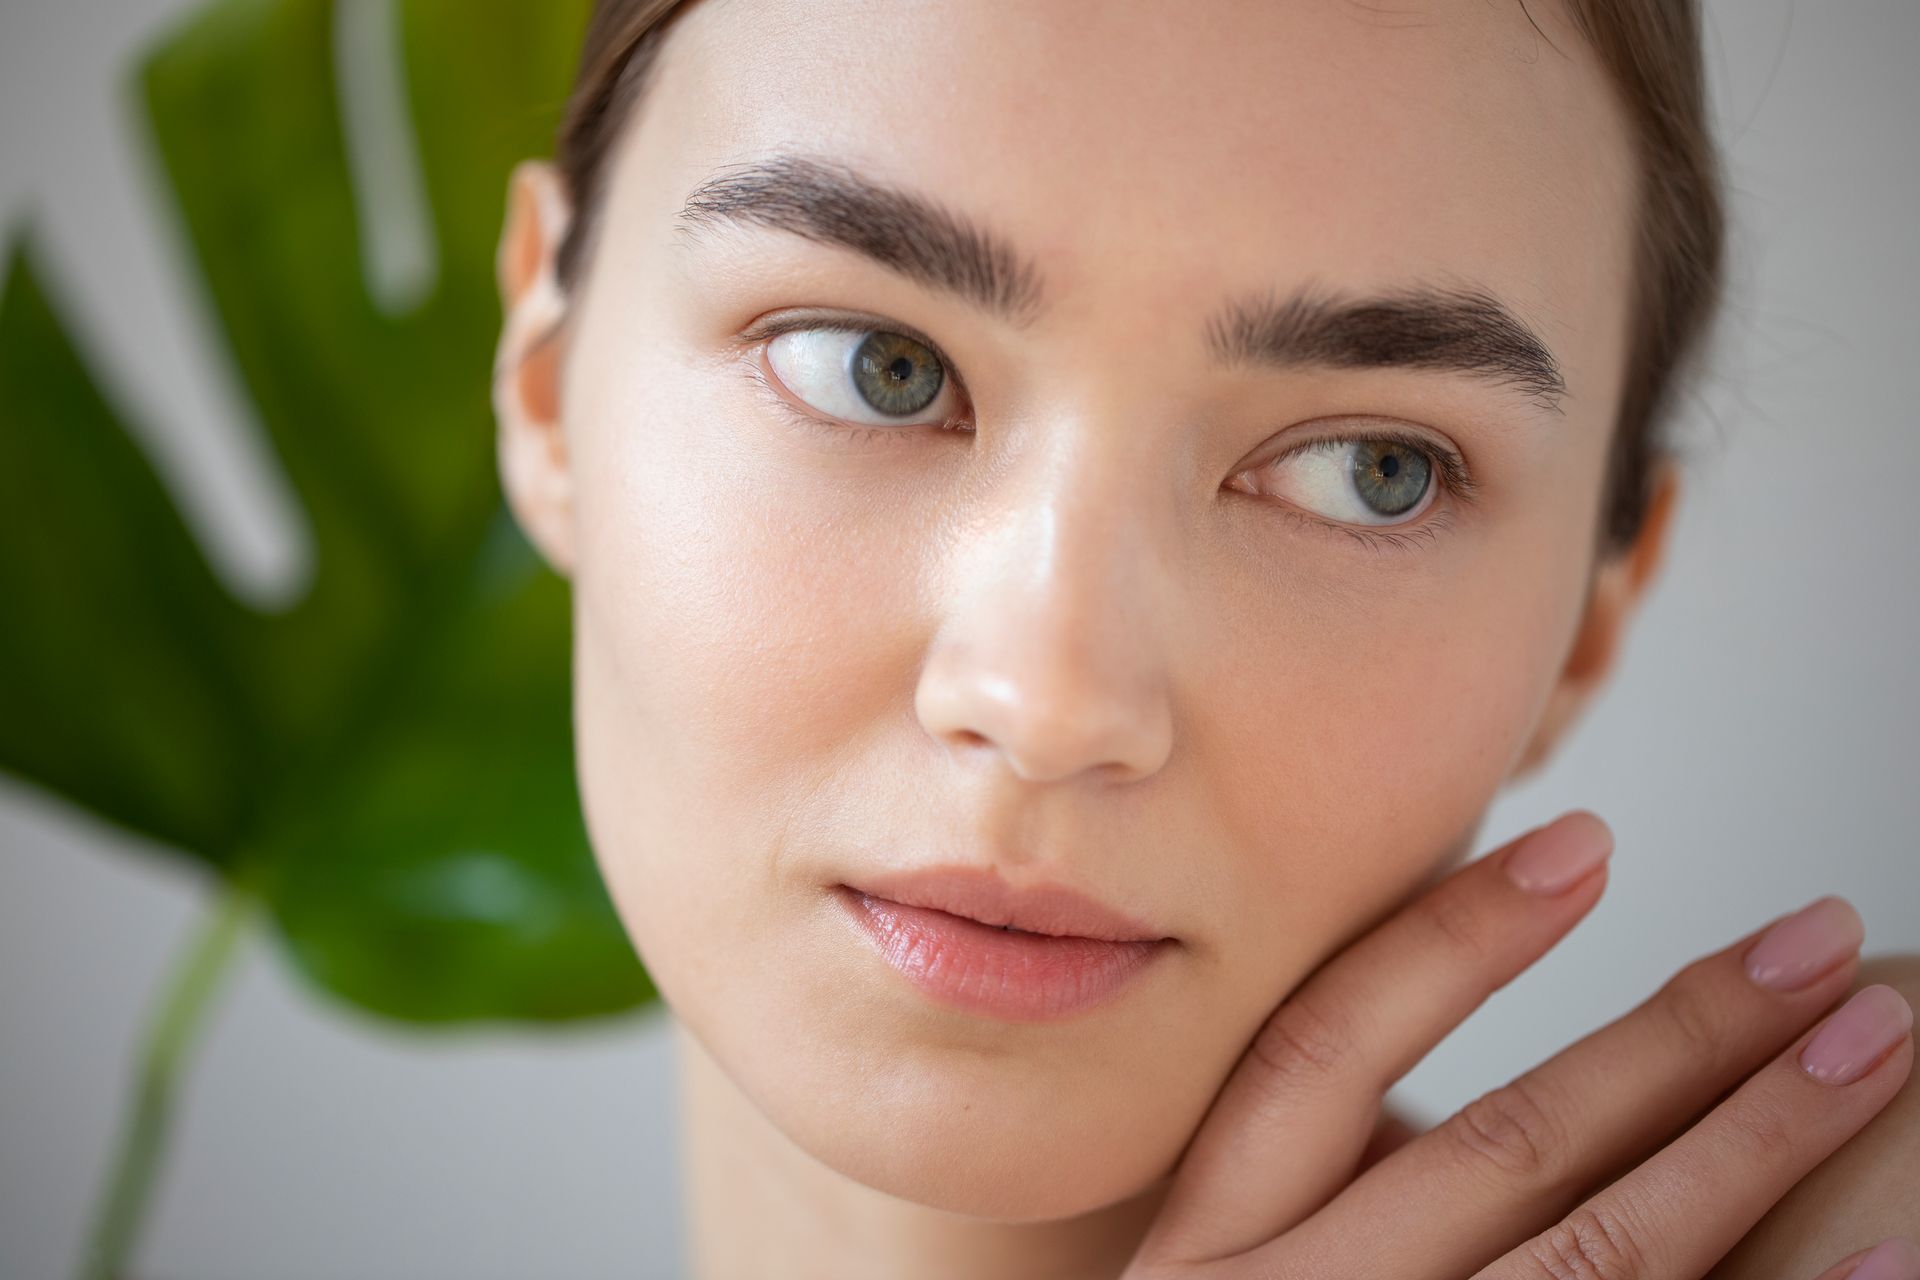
column 895, row 374
column 869, row 376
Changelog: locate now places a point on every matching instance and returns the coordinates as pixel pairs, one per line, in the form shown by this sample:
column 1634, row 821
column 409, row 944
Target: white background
column 1761, row 745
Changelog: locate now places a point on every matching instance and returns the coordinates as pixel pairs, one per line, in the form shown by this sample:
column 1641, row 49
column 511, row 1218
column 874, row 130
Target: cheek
column 1380, row 728
column 730, row 628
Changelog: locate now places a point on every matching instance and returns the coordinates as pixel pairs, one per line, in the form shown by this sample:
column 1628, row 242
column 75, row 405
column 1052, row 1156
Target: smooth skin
column 1074, row 638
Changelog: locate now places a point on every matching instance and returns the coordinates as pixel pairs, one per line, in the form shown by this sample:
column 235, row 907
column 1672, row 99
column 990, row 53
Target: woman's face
column 1082, row 609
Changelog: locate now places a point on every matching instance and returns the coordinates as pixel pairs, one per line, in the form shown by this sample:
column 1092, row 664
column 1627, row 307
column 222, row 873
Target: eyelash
column 1448, row 466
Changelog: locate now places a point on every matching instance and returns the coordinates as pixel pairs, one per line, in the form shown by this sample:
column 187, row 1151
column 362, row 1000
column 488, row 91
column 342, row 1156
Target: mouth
column 981, row 896
column 997, row 970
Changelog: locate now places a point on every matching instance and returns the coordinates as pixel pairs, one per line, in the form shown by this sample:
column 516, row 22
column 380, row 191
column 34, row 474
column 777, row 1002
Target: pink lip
column 1031, row 976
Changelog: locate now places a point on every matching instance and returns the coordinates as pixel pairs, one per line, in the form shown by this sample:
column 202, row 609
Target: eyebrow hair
column 832, row 203
column 1459, row 328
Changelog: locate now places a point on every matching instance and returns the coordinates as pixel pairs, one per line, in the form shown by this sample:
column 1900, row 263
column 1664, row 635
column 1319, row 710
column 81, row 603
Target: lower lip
column 1019, row 977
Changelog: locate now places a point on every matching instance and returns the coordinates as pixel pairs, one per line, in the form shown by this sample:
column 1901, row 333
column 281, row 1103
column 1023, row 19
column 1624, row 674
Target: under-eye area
column 856, row 380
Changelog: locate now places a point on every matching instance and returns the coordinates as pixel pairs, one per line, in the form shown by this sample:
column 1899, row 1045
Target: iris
column 895, row 374
column 1387, row 476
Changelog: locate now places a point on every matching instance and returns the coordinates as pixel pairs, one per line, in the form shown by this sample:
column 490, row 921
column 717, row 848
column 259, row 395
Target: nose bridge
column 1051, row 644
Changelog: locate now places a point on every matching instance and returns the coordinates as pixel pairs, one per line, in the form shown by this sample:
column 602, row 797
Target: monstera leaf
column 387, row 763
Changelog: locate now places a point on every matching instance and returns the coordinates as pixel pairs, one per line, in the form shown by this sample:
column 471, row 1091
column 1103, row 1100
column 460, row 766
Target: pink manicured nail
column 1805, row 945
column 1853, row 1041
column 1560, row 854
column 1895, row 1259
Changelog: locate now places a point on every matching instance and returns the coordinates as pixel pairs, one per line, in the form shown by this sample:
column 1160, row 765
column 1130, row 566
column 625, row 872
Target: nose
column 1051, row 648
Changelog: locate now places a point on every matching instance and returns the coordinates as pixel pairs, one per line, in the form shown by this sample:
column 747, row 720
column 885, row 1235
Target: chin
column 982, row 1170
column 987, row 1136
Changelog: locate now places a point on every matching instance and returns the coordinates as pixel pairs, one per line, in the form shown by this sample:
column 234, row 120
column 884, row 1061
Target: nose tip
column 1050, row 651
column 1046, row 720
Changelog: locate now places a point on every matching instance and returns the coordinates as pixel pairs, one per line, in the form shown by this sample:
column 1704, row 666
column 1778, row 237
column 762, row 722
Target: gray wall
column 1761, row 746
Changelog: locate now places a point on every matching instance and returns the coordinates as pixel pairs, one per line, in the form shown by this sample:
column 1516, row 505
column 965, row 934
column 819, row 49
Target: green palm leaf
column 386, row 764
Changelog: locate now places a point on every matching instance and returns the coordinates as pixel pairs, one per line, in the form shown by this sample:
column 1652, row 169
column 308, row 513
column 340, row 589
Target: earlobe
column 1619, row 587
column 532, row 450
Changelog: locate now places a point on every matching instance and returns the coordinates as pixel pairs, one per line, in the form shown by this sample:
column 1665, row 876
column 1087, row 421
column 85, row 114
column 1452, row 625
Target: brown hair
column 1650, row 49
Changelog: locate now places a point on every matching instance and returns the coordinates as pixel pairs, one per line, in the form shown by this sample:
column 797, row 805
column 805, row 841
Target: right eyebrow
column 1459, row 328
column 1456, row 328
column 833, row 204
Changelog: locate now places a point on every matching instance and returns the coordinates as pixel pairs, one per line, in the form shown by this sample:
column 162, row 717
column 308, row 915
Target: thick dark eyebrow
column 1461, row 329
column 832, row 203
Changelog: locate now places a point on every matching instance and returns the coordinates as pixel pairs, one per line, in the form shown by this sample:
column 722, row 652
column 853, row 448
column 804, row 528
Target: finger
column 1679, row 1213
column 1895, row 1259
column 1515, row 1160
column 1292, row 1121
column 1390, row 1133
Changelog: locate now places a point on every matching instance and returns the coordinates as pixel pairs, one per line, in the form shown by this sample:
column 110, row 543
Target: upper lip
column 982, row 895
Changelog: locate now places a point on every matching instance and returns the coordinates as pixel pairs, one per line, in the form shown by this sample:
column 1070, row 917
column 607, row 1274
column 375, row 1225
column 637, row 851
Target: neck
column 758, row 1205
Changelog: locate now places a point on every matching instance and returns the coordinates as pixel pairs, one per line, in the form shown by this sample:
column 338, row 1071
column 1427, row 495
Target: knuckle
column 1459, row 923
column 1593, row 1243
column 1692, row 1015
column 1510, row 1132
column 1302, row 1043
column 1761, row 1128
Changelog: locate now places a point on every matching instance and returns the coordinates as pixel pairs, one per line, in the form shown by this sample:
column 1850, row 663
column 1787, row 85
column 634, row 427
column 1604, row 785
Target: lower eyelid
column 1379, row 538
column 771, row 395
column 1373, row 537
column 835, row 431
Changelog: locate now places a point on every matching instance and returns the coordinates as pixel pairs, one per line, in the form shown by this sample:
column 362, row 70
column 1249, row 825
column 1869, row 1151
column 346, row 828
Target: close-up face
column 1190, row 495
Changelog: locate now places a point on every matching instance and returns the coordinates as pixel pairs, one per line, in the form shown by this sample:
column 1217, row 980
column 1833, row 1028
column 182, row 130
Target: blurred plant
column 385, row 766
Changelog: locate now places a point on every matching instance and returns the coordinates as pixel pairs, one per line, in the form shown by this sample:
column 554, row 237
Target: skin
column 1858, row 1195
column 1063, row 644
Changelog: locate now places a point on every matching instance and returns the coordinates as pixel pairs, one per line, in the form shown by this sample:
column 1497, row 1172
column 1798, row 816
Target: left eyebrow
column 832, row 203
column 1461, row 329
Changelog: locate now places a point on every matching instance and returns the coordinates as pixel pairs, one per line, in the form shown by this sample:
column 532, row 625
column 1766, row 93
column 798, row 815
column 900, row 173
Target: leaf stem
column 187, row 995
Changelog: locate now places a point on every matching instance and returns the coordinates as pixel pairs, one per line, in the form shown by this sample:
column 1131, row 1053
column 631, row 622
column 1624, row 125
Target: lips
column 985, row 897
column 969, row 940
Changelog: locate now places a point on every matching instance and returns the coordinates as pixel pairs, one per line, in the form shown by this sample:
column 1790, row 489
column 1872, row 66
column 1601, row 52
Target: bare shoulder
column 1863, row 1193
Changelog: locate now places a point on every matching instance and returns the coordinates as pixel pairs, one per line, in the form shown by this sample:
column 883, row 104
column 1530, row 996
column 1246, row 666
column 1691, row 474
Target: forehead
column 1168, row 150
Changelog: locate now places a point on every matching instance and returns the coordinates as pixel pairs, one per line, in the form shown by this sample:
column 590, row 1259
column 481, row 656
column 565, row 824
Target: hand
column 1571, row 1170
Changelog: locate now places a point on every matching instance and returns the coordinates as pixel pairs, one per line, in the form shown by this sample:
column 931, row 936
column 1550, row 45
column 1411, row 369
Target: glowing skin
column 1083, row 640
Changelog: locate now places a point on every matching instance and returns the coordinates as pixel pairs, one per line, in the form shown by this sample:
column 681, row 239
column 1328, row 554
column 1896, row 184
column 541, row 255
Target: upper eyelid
column 847, row 324
column 1452, row 467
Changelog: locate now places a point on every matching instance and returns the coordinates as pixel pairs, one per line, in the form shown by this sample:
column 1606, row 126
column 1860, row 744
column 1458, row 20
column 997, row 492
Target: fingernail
column 1853, row 1040
column 1805, row 945
column 1895, row 1259
column 1560, row 854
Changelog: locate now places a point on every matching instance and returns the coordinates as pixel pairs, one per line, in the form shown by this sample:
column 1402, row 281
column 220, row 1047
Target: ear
column 1619, row 585
column 531, row 444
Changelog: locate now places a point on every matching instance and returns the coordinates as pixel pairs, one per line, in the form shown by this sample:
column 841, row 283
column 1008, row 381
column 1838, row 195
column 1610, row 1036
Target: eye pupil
column 1389, row 466
column 901, row 369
